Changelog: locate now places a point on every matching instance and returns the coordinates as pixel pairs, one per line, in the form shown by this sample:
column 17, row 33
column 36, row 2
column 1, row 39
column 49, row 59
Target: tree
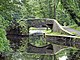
column 70, row 9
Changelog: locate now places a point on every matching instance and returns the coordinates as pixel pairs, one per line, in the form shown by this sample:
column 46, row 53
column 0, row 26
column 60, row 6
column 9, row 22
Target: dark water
column 19, row 46
column 26, row 56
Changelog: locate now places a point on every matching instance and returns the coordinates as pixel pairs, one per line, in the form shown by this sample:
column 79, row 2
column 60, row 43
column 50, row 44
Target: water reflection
column 21, row 53
column 27, row 56
column 37, row 40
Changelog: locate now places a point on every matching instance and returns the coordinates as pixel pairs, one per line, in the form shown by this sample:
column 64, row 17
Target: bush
column 4, row 43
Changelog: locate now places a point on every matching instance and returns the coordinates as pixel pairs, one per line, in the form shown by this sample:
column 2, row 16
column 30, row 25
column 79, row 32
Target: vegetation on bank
column 76, row 27
column 4, row 43
column 66, row 52
column 54, row 33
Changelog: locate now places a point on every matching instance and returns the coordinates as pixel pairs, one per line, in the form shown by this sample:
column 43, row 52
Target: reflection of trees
column 74, row 56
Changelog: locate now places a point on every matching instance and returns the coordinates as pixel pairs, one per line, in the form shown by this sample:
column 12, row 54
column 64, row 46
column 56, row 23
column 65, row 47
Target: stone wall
column 36, row 23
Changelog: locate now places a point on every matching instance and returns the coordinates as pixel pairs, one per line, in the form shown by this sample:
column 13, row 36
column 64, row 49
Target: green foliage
column 3, row 23
column 4, row 43
column 37, row 40
column 72, row 8
column 45, row 9
column 65, row 52
column 23, row 25
column 38, row 8
column 62, row 16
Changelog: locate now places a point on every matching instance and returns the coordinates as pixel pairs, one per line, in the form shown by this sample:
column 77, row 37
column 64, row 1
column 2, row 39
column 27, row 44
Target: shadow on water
column 17, row 41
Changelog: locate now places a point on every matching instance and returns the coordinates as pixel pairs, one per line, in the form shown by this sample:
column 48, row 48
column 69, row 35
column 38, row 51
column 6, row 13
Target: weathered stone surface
column 39, row 23
column 58, row 28
column 49, row 21
column 77, row 43
column 36, row 23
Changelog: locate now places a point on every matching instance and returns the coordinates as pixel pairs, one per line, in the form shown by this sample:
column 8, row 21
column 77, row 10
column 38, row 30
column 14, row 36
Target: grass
column 33, row 28
column 53, row 33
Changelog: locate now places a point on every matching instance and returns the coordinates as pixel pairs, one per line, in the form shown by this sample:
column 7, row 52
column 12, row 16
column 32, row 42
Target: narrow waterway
column 36, row 38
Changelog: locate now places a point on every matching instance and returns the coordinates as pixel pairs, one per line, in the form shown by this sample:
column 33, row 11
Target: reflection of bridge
column 70, row 41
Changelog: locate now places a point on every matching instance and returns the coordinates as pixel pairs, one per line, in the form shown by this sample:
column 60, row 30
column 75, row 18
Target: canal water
column 19, row 46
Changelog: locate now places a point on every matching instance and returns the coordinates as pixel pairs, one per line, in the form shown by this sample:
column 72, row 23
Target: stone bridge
column 45, row 22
